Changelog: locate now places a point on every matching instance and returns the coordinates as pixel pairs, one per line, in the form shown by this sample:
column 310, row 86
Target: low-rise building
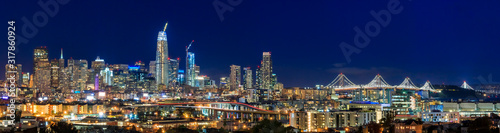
column 453, row 117
column 314, row 121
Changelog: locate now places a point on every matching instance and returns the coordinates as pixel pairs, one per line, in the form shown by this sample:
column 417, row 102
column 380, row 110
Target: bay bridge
column 342, row 83
column 377, row 90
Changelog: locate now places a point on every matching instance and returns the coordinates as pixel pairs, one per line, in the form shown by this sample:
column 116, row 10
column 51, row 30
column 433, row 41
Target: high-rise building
column 41, row 70
column 224, row 83
column 14, row 71
column 26, row 79
column 196, row 74
column 235, row 77
column 266, row 72
column 247, row 78
column 54, row 74
column 200, row 80
column 180, row 77
column 97, row 66
column 142, row 66
column 173, row 71
column 152, row 68
column 70, row 75
column 62, row 73
column 40, row 54
column 96, row 82
column 81, row 75
column 162, row 58
column 274, row 80
column 107, row 76
column 190, row 72
column 258, row 78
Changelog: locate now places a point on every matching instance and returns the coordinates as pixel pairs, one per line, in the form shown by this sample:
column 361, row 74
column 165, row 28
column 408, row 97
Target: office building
column 181, row 77
column 266, row 71
column 162, row 76
column 107, row 76
column 315, row 121
column 224, row 83
column 14, row 70
column 152, row 68
column 258, row 78
column 26, row 79
column 247, row 78
column 235, row 77
column 54, row 74
column 190, row 72
column 173, row 71
column 41, row 70
column 435, row 117
column 141, row 65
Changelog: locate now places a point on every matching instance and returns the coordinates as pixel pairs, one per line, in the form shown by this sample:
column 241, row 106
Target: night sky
column 444, row 42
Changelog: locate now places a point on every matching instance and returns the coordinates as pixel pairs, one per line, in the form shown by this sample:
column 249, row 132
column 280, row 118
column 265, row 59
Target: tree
column 18, row 115
column 268, row 126
column 373, row 127
column 386, row 121
column 61, row 127
column 482, row 124
column 181, row 129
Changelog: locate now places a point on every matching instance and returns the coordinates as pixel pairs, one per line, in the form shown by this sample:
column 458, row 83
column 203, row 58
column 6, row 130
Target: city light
column 322, row 76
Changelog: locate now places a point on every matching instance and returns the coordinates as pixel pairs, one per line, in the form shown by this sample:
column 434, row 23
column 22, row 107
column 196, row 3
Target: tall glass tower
column 190, row 75
column 266, row 70
column 162, row 58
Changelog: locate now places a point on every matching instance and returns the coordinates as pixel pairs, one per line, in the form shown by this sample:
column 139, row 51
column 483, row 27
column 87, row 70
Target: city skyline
column 315, row 60
column 222, row 66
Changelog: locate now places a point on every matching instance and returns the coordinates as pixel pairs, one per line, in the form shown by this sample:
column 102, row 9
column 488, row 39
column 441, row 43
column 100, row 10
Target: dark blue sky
column 444, row 42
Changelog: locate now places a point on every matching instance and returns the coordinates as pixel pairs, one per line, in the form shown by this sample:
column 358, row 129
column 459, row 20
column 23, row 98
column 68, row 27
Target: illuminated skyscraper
column 40, row 54
column 224, row 82
column 258, row 78
column 266, row 71
column 235, row 77
column 41, row 70
column 98, row 64
column 14, row 71
column 180, row 77
column 70, row 74
column 62, row 73
column 54, row 74
column 81, row 74
column 96, row 82
column 190, row 72
column 274, row 80
column 152, row 68
column 107, row 76
column 26, row 79
column 247, row 78
column 142, row 66
column 162, row 58
column 196, row 75
column 173, row 71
